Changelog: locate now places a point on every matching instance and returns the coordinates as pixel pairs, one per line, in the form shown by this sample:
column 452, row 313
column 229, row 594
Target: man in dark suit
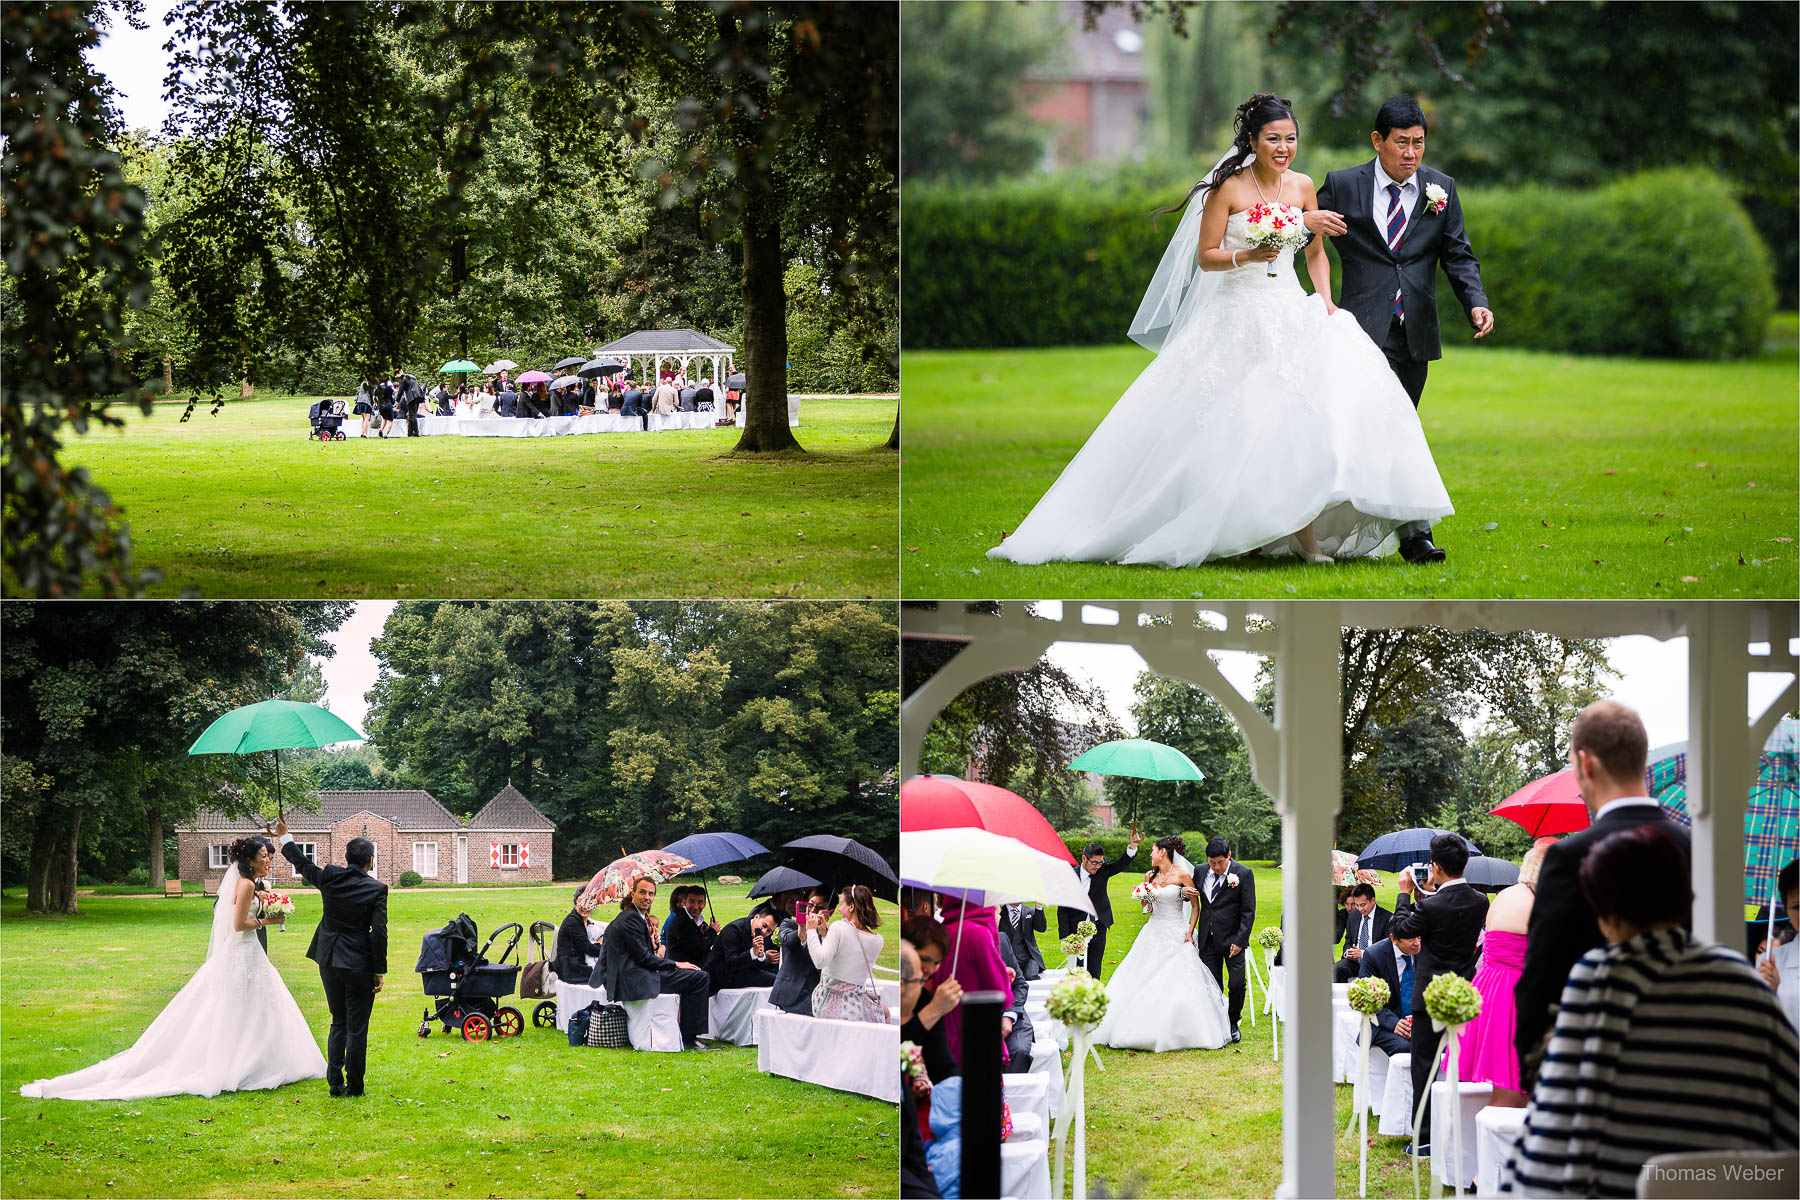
column 508, row 403
column 1393, row 961
column 746, row 954
column 796, row 977
column 1607, row 752
column 631, row 404
column 1094, row 871
column 1447, row 923
column 1366, row 923
column 1395, row 222
column 686, row 933
column 350, row 946
column 1226, row 893
column 1019, row 925
column 1015, row 1026
column 631, row 969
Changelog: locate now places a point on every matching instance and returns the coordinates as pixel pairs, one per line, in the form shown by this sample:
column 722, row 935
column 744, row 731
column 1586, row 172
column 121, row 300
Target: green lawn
column 242, row 505
column 522, row 1117
column 1204, row 1123
column 1572, row 477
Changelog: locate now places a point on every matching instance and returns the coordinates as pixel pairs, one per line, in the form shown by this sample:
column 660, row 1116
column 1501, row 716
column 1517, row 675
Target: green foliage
column 410, row 879
column 1114, row 841
column 1662, row 264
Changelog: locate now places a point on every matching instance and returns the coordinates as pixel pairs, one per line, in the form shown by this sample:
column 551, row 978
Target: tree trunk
column 894, row 437
column 43, row 838
column 168, row 376
column 158, row 874
column 51, row 888
column 245, row 391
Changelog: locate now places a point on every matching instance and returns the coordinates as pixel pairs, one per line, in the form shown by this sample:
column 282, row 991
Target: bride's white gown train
column 234, row 1027
column 1261, row 416
column 1161, row 997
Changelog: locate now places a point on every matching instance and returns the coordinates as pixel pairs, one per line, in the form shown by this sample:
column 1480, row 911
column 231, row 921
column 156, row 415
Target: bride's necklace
column 1257, row 184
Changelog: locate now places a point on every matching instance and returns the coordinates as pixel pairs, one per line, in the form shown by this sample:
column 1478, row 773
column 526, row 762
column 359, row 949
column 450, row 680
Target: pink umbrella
column 533, row 377
column 1546, row 806
column 611, row 881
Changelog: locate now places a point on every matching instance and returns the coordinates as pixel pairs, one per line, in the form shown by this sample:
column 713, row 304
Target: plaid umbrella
column 611, row 881
column 1772, row 822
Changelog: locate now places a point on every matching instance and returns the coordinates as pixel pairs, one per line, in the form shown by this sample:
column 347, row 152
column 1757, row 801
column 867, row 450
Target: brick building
column 507, row 840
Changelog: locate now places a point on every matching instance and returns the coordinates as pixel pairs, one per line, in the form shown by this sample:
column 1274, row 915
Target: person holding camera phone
column 1447, row 917
column 797, row 976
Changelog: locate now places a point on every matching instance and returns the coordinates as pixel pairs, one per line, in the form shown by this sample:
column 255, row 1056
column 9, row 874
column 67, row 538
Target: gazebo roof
column 666, row 341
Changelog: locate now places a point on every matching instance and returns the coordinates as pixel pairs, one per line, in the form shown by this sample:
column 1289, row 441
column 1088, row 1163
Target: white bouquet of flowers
column 1279, row 225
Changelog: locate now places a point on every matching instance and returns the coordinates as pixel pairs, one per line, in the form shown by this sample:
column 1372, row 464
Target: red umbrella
column 945, row 802
column 1546, row 806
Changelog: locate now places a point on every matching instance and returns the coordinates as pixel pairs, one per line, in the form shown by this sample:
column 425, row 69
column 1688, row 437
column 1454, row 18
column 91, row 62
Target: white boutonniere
column 1231, row 881
column 1436, row 197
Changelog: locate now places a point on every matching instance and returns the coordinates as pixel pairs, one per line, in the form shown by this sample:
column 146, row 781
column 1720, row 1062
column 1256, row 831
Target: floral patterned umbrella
column 1344, row 872
column 611, row 882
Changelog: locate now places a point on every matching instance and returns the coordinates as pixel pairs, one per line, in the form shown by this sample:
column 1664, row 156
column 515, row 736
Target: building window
column 509, row 855
column 309, row 849
column 218, row 857
column 425, row 859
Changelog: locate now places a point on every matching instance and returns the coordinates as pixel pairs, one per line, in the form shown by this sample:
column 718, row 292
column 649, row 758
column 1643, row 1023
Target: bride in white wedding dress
column 234, row 1027
column 1268, row 419
column 1161, row 997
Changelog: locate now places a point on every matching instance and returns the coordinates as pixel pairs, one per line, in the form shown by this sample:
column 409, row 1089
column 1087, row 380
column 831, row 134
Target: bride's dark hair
column 1252, row 115
column 243, row 852
column 1171, row 846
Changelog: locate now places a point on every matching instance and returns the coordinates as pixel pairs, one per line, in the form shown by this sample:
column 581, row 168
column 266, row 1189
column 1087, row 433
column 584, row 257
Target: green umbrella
column 1138, row 758
column 457, row 365
column 273, row 725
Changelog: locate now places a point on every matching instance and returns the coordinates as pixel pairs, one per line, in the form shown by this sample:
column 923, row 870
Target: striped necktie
column 1396, row 228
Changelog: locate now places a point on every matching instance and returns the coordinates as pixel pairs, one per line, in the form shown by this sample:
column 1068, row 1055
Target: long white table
column 519, row 427
column 651, row 1024
column 847, row 1056
column 731, row 1014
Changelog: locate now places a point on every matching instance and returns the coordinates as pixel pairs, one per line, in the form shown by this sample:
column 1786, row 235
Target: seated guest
column 745, row 954
column 703, row 395
column 1366, row 923
column 666, row 398
column 686, row 933
column 687, row 398
column 577, row 950
column 1391, row 961
column 631, row 402
column 1019, row 925
column 508, row 404
column 1781, row 968
column 796, row 977
column 1662, row 1042
column 1016, row 1030
column 845, row 955
column 916, row 1182
column 630, row 968
column 925, row 1027
column 1487, row 1051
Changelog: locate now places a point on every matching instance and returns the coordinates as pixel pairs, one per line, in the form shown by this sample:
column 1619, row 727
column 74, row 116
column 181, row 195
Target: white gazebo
column 681, row 347
column 1295, row 758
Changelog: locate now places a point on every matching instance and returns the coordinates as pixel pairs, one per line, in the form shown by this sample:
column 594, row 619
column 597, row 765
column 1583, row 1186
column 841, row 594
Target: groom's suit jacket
column 1068, row 918
column 1226, row 920
column 1372, row 272
column 352, row 933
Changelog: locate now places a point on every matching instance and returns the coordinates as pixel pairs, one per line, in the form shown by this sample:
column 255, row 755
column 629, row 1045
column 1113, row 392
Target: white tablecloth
column 731, row 1015
column 1028, row 1092
column 793, row 411
column 890, row 994
column 651, row 1024
column 1038, row 990
column 1047, row 1027
column 850, row 1056
column 1495, row 1131
column 1344, row 1025
column 1024, row 1170
column 1474, row 1098
column 519, row 427
column 1397, row 1098
column 1046, row 1063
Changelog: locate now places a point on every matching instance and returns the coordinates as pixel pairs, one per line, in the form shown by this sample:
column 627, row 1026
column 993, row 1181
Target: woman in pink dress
column 1486, row 1053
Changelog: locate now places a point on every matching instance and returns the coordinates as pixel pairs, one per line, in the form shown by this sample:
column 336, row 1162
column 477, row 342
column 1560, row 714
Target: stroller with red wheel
column 468, row 985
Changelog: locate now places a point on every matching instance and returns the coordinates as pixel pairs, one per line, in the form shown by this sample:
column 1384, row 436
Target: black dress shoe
column 1235, row 1035
column 1420, row 550
column 699, row 1046
column 337, row 1091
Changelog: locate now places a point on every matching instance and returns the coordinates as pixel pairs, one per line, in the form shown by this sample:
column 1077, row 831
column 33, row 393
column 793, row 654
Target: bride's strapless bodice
column 1165, row 903
column 1256, row 273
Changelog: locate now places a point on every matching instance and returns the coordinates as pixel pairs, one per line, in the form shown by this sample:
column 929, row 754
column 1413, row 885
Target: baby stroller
column 538, row 982
column 468, row 984
column 326, row 417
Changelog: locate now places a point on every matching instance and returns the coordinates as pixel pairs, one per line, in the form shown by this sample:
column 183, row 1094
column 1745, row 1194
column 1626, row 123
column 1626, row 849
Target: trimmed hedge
column 1659, row 264
column 1115, row 839
column 411, row 879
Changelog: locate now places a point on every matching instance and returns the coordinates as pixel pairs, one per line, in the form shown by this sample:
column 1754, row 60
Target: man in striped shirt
column 1662, row 1043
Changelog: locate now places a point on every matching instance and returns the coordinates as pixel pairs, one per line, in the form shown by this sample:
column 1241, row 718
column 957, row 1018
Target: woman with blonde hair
column 845, row 955
column 1486, row 1052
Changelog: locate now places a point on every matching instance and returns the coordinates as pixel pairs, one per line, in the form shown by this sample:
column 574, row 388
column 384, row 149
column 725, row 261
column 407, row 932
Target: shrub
column 1660, row 264
column 411, row 879
column 1115, row 841
column 138, row 877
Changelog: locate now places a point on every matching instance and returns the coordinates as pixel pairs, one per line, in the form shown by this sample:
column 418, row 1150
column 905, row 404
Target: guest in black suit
column 1608, row 749
column 1094, row 871
column 796, row 976
column 1366, row 923
column 1226, row 893
column 687, row 934
column 745, row 955
column 1447, row 922
column 1391, row 239
column 576, row 951
column 350, row 946
column 631, row 404
column 1393, row 960
column 1016, row 1030
column 1019, row 926
column 631, row 969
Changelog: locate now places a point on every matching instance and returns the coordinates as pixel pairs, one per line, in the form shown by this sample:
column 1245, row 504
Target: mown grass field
column 1572, row 477
column 242, row 505
column 529, row 1116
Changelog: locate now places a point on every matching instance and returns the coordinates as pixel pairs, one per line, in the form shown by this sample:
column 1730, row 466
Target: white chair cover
column 849, row 1056
column 1474, row 1097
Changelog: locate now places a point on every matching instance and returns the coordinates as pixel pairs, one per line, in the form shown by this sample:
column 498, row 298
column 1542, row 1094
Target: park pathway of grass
column 1571, row 477
column 529, row 1116
column 242, row 505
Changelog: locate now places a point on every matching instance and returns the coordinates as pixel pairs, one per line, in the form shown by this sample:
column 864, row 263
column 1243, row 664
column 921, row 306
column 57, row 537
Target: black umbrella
column 1490, row 872
column 843, row 861
column 782, row 879
column 566, row 363
column 599, row 367
column 737, row 381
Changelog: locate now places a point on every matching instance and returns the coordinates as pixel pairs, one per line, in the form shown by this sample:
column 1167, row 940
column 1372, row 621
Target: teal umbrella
column 1138, row 758
column 275, row 725
column 457, row 365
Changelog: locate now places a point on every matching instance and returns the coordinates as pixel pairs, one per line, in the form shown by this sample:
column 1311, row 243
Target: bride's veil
column 224, row 911
column 1182, row 862
column 1179, row 289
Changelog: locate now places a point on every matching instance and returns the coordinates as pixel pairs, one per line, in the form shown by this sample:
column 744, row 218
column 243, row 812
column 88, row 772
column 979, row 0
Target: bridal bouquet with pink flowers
column 1278, row 225
column 277, row 904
